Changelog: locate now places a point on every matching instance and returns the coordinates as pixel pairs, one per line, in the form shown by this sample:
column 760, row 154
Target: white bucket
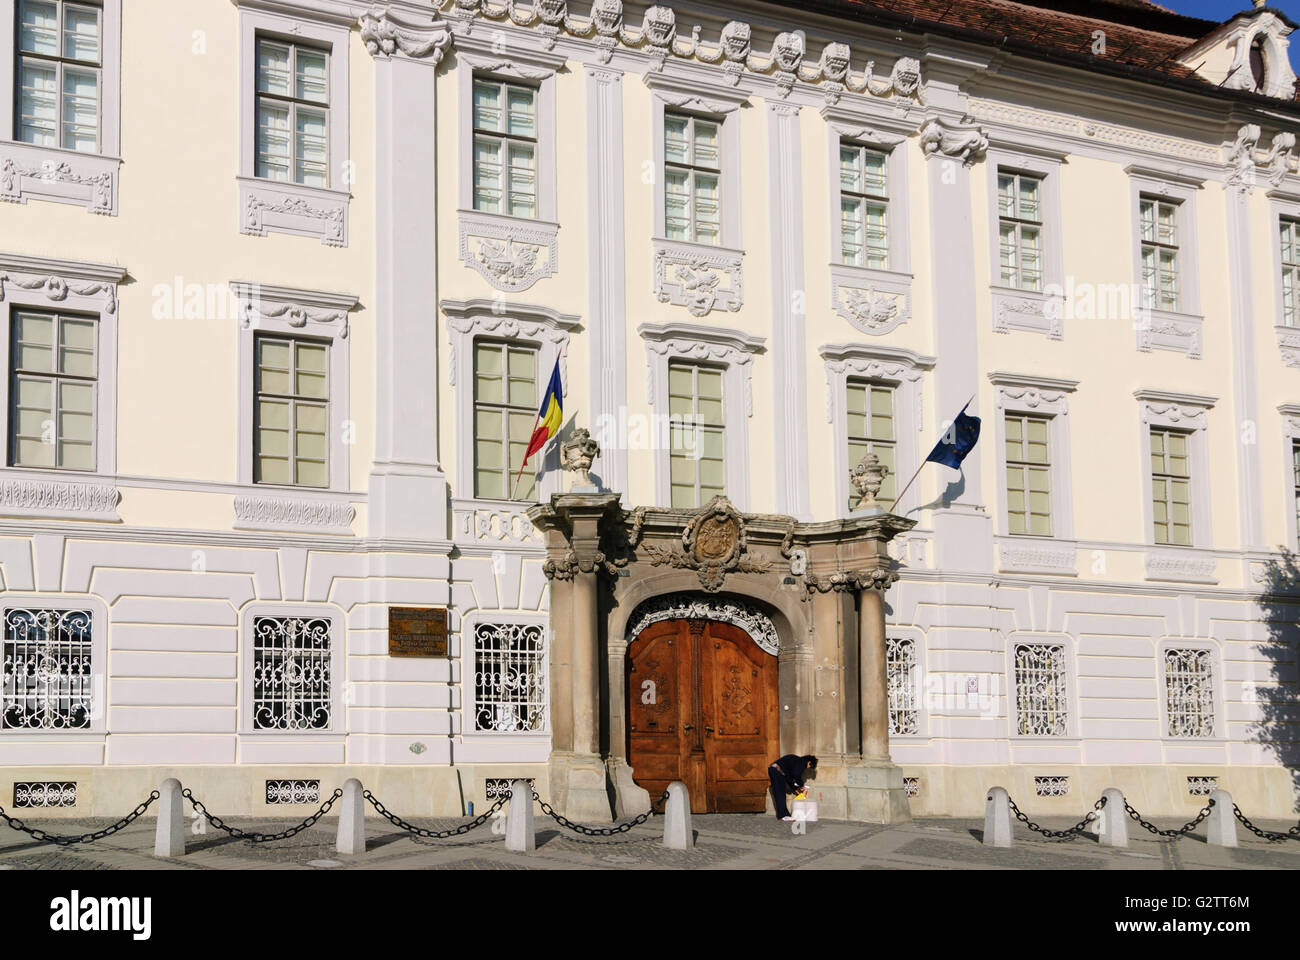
column 804, row 810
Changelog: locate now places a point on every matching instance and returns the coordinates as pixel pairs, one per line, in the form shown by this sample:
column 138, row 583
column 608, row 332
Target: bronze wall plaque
column 417, row 631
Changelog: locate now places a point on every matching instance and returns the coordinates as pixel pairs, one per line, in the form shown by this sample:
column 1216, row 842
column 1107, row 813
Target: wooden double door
column 702, row 708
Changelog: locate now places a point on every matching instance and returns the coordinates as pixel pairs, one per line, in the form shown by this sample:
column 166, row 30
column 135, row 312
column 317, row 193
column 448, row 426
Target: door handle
column 687, row 726
column 708, row 729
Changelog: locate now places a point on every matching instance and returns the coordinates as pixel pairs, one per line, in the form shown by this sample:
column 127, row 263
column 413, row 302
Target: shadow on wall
column 1278, row 699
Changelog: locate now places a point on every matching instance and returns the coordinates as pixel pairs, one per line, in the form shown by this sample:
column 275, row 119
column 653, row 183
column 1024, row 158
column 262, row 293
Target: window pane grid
column 1042, row 696
column 505, row 410
column 1290, row 242
column 291, row 413
column 864, row 206
column 1029, row 468
column 292, row 135
column 697, row 443
column 505, row 148
column 58, row 73
column 53, row 387
column 1171, row 486
column 509, row 678
column 1189, row 693
column 871, row 428
column 692, row 179
column 1159, row 230
column 1020, row 230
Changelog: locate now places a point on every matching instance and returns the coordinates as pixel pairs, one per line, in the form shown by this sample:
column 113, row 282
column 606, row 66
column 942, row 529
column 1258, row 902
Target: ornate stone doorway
column 703, row 709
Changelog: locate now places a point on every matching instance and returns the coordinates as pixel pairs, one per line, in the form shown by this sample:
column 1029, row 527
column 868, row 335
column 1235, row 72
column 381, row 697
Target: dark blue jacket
column 793, row 768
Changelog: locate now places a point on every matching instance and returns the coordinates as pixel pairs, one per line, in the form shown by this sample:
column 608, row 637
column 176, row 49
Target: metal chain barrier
column 253, row 836
column 65, row 840
column 1270, row 836
column 599, row 831
column 411, row 828
column 1182, row 831
column 1069, row 834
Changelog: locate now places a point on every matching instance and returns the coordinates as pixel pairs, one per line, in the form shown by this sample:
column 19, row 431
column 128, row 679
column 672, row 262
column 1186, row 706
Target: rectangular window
column 1171, row 486
column 872, row 429
column 1020, row 230
column 291, row 412
column 509, row 678
column 505, row 148
column 52, row 397
column 697, row 459
column 292, row 113
column 1042, row 695
column 47, row 670
column 505, row 409
column 1159, row 227
column 292, row 686
column 60, row 67
column 1290, row 272
column 1029, row 472
column 1295, row 468
column 1189, row 693
column 692, row 177
column 864, row 206
column 900, row 660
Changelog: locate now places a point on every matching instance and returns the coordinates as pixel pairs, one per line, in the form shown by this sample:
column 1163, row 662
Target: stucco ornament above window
column 386, row 36
column 660, row 37
column 953, row 141
column 1245, row 161
column 1248, row 53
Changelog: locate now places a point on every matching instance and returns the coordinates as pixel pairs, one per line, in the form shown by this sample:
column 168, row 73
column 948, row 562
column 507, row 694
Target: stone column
column 872, row 678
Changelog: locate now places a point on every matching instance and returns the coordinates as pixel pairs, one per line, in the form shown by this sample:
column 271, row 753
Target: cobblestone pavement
column 723, row 841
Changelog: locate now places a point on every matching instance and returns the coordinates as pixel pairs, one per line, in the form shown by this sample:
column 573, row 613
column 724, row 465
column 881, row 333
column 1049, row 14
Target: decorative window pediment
column 1249, row 53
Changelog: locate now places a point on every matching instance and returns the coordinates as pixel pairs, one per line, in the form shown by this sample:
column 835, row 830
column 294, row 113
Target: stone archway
column 702, row 606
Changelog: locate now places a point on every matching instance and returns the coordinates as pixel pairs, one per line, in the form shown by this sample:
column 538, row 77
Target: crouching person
column 787, row 776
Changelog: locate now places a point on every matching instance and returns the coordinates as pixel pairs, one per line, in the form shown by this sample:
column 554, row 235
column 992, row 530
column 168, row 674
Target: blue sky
column 1223, row 9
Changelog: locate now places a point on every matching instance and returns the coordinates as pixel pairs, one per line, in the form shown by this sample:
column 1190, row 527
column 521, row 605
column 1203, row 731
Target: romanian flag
column 549, row 416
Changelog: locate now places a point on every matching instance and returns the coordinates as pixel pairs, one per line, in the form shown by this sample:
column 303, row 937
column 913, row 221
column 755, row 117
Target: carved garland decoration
column 56, row 288
column 713, row 544
column 57, row 171
column 738, row 613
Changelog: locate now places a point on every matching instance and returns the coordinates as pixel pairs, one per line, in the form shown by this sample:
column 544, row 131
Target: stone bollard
column 169, row 838
column 677, row 818
column 1221, row 825
column 352, row 819
column 997, row 818
column 520, row 836
column 1113, row 831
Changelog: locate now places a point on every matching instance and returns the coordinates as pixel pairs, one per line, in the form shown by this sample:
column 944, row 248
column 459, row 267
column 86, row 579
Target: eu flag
column 957, row 441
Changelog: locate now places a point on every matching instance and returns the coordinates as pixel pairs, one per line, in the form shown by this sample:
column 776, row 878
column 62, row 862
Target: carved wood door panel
column 702, row 708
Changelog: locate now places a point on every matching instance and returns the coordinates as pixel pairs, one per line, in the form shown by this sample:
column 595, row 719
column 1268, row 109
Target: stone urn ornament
column 576, row 455
column 866, row 476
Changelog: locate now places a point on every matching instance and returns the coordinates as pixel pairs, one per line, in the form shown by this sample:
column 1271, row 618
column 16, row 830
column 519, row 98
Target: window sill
column 88, row 180
column 1023, row 554
column 1030, row 310
column 510, row 253
column 1180, row 564
column 284, row 510
column 57, row 495
column 272, row 206
column 690, row 275
column 1288, row 344
column 875, row 301
column 1169, row 330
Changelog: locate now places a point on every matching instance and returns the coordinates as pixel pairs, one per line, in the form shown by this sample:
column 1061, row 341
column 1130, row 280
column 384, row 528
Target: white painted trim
column 1190, row 413
column 1014, row 308
column 711, row 346
column 902, row 370
column 49, row 173
column 288, row 207
column 100, row 625
column 1216, row 683
column 338, row 660
column 1180, row 330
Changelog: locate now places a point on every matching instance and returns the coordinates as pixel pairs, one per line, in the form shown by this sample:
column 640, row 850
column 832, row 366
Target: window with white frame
column 1158, row 222
column 505, row 147
column 692, row 179
column 293, row 97
column 1189, row 692
column 505, row 411
column 292, row 681
column 291, row 413
column 864, row 206
column 59, row 74
column 697, row 449
column 902, row 669
column 48, row 680
column 1020, row 229
column 510, row 678
column 1290, row 247
column 52, row 390
column 1171, row 482
column 872, row 429
column 1042, row 689
column 1029, row 475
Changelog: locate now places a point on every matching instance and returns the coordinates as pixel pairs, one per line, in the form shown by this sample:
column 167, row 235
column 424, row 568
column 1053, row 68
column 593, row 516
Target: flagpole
column 899, row 499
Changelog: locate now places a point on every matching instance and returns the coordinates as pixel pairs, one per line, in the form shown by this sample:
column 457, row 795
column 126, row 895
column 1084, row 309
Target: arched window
column 1257, row 64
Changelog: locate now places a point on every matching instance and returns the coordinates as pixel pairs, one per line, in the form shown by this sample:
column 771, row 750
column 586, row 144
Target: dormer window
column 1257, row 71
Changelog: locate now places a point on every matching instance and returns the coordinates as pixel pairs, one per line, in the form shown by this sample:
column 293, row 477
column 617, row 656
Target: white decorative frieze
column 286, row 309
column 691, row 275
column 1027, row 557
column 1183, row 410
column 267, row 205
column 874, row 301
column 1288, row 344
column 386, row 35
column 1184, row 566
column 953, row 141
column 82, row 501
column 661, row 37
column 295, row 515
column 738, row 613
column 56, row 288
column 468, row 319
column 1030, row 311
column 685, row 341
column 508, row 252
column 1161, row 330
column 492, row 524
column 88, row 180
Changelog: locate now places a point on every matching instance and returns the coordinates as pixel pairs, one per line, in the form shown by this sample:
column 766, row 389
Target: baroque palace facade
column 276, row 331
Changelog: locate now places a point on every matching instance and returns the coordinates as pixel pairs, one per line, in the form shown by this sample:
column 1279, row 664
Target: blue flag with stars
column 957, row 441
